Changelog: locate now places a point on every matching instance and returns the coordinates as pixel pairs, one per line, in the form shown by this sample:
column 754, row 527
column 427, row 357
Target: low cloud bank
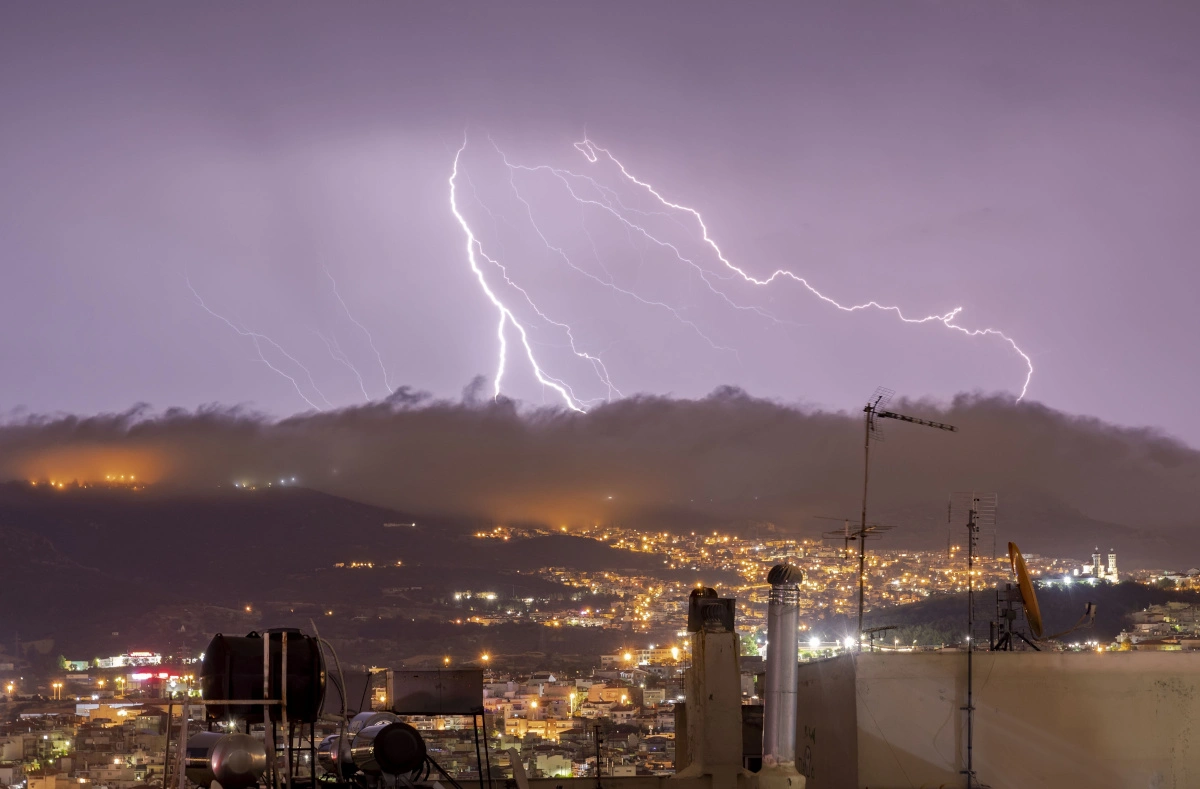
column 725, row 456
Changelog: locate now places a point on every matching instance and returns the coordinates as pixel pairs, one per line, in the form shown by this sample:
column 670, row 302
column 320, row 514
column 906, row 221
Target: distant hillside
column 82, row 564
column 1039, row 523
column 943, row 618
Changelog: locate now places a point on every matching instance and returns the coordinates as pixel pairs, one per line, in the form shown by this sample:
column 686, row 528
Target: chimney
column 779, row 702
column 712, row 739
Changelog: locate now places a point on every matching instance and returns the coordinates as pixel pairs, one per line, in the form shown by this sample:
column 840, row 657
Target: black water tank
column 395, row 748
column 232, row 669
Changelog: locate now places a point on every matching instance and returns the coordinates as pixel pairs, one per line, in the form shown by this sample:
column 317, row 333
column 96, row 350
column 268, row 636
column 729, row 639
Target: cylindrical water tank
column 232, row 669
column 235, row 760
column 393, row 748
column 364, row 719
column 329, row 746
column 327, row 759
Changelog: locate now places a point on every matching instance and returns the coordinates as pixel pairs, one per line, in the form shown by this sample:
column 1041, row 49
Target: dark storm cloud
column 725, row 456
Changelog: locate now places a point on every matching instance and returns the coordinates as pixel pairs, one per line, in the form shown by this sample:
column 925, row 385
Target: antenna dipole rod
column 915, row 420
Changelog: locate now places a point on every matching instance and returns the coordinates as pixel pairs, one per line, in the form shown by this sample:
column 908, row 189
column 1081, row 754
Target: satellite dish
column 1032, row 612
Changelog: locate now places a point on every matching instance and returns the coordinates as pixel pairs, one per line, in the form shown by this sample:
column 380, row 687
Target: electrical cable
column 345, row 728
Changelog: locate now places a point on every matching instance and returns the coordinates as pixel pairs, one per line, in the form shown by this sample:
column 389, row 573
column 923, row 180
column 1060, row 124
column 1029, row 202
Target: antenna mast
column 980, row 510
column 874, row 411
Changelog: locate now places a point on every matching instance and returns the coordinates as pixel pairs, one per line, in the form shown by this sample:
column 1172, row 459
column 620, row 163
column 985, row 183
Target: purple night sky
column 1033, row 163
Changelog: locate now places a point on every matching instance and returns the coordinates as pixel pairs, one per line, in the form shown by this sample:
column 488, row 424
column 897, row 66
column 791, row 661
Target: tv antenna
column 876, row 409
column 978, row 512
column 860, row 534
column 847, row 534
column 871, row 632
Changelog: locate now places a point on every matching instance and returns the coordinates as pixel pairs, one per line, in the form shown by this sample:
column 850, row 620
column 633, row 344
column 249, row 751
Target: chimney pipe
column 783, row 624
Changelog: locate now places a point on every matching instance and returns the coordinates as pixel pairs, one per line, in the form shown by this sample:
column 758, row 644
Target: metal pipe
column 312, row 753
column 972, row 532
column 283, row 700
column 167, row 748
column 268, row 722
column 478, row 754
column 183, row 744
column 487, row 760
column 783, row 641
column 862, row 529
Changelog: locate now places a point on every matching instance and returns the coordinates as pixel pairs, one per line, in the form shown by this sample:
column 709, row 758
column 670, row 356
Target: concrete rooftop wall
column 1119, row 720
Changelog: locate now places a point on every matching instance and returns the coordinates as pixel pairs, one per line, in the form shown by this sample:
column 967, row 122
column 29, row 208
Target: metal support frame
column 268, row 721
column 283, row 688
column 182, row 749
column 266, row 702
column 487, row 759
column 167, row 749
column 478, row 755
column 312, row 753
column 1004, row 629
column 599, row 735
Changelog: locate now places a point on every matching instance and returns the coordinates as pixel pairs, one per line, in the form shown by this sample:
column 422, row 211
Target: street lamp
column 446, row 661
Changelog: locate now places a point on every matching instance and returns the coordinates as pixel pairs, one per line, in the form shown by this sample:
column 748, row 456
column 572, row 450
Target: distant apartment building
column 130, row 659
column 641, row 657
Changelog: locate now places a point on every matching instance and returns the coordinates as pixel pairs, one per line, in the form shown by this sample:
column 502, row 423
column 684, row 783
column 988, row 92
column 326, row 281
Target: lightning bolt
column 370, row 340
column 339, row 355
column 257, row 339
column 474, row 251
column 703, row 273
column 560, row 252
column 592, row 153
column 596, row 362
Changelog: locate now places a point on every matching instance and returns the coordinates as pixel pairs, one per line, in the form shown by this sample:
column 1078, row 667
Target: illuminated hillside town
column 892, row 577
column 103, row 722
